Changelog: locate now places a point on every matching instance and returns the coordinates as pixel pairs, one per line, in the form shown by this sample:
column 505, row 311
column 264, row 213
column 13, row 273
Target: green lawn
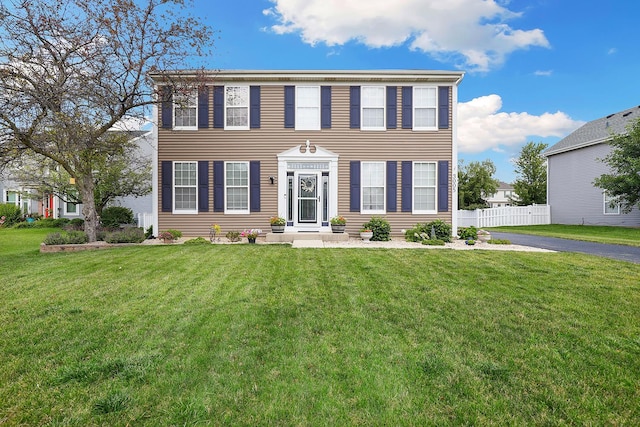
column 590, row 233
column 271, row 335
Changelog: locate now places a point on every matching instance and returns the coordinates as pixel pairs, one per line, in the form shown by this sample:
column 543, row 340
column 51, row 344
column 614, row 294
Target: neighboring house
column 14, row 193
column 503, row 196
column 306, row 145
column 574, row 162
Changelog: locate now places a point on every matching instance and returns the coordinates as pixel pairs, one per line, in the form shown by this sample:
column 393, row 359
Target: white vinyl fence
column 144, row 220
column 509, row 215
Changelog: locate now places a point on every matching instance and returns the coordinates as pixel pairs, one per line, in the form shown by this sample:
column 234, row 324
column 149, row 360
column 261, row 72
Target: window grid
column 425, row 107
column 373, row 107
column 237, row 187
column 424, row 187
column 236, row 107
column 185, row 186
column 186, row 111
column 611, row 205
column 308, row 108
column 373, row 187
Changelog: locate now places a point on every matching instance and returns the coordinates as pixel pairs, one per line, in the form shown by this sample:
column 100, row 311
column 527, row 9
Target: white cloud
column 544, row 73
column 474, row 32
column 481, row 125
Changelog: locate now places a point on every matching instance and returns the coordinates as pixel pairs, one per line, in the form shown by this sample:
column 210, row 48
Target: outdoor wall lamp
column 272, row 179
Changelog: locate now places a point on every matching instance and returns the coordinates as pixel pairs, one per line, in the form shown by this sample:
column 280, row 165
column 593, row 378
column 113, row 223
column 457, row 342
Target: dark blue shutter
column 254, row 110
column 203, row 186
column 290, row 107
column 218, row 186
column 407, row 184
column 167, row 186
column 218, row 107
column 354, row 196
column 443, row 186
column 325, row 110
column 254, row 186
column 167, row 107
column 392, row 107
column 392, row 186
column 407, row 107
column 203, row 107
column 443, row 107
column 354, row 107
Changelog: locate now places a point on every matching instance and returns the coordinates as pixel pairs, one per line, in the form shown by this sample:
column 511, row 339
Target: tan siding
column 264, row 144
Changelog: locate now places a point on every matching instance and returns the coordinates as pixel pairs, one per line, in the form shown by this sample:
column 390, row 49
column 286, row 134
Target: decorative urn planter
column 277, row 228
column 251, row 239
column 366, row 235
column 337, row 228
column 484, row 236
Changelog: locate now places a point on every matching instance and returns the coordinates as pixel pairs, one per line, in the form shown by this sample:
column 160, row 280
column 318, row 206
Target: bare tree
column 72, row 69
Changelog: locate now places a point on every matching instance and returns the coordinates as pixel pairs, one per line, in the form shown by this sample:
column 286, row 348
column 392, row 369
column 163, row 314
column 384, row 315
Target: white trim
column 193, row 105
column 414, row 106
column 383, row 126
column 605, row 203
column 243, row 127
column 154, row 171
column 318, row 108
column 384, row 189
column 226, row 190
column 413, row 189
column 173, row 194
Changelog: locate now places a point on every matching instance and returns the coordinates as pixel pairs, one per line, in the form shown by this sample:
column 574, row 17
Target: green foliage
column 466, row 233
column 233, row 236
column 175, row 233
column 9, row 214
column 127, row 235
column 623, row 183
column 531, row 170
column 475, row 183
column 149, row 232
column 380, row 227
column 437, row 229
column 197, row 241
column 470, row 242
column 51, row 223
column 69, row 238
column 433, row 242
column 499, row 241
column 113, row 216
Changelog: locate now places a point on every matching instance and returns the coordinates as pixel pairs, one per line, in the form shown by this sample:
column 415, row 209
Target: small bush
column 128, row 235
column 468, row 233
column 434, row 230
column 233, row 236
column 70, row 238
column 499, row 241
column 113, row 216
column 433, row 242
column 54, row 239
column 380, row 227
column 175, row 233
column 197, row 241
column 24, row 224
column 9, row 214
column 149, row 233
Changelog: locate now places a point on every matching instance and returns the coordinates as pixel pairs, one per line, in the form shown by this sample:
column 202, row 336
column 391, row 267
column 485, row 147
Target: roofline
column 577, row 146
column 325, row 75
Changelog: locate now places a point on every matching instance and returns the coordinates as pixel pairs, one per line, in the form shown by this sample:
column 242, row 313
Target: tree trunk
column 86, row 188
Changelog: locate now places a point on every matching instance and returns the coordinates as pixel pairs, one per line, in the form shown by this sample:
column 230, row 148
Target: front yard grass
column 271, row 335
column 589, row 233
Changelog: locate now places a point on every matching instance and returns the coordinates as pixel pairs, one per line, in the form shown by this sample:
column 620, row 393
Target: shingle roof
column 596, row 131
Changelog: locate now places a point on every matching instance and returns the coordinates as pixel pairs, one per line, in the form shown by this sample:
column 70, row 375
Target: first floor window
column 185, row 188
column 424, row 187
column 373, row 179
column 237, row 187
column 70, row 208
column 611, row 205
column 185, row 111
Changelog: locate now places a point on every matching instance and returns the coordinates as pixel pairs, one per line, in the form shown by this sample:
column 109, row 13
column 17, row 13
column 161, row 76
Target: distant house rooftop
column 596, row 131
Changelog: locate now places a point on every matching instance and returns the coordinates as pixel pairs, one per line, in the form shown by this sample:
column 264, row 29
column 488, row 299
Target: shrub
column 468, row 233
column 149, row 233
column 51, row 223
column 128, row 235
column 380, row 227
column 9, row 214
column 175, row 233
column 433, row 242
column 72, row 237
column 233, row 236
column 54, row 239
column 499, row 241
column 113, row 216
column 74, row 224
column 197, row 241
column 423, row 231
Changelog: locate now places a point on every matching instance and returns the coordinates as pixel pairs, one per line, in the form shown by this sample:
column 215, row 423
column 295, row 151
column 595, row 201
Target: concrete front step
column 290, row 237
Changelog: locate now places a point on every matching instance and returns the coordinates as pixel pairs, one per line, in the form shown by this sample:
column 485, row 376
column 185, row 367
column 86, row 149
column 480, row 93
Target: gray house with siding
column 574, row 162
column 306, row 146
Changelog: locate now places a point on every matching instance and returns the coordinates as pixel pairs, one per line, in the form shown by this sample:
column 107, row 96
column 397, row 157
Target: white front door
column 308, row 200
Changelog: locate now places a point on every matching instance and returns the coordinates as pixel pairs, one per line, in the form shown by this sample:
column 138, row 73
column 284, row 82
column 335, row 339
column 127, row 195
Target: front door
column 308, row 198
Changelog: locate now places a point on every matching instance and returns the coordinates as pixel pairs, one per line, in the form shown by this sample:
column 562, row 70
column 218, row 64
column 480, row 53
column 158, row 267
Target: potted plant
column 338, row 224
column 166, row 237
column 251, row 234
column 366, row 234
column 277, row 224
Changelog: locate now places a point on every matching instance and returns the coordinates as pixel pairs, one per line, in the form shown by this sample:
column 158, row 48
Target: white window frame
column 420, row 106
column 190, row 103
column 606, row 200
column 66, row 208
column 227, row 126
column 227, row 209
column 314, row 109
column 363, row 186
column 380, row 105
column 414, row 186
column 182, row 185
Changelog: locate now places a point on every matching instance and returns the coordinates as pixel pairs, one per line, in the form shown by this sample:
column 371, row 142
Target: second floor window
column 308, row 107
column 372, row 104
column 425, row 106
column 185, row 111
column 236, row 100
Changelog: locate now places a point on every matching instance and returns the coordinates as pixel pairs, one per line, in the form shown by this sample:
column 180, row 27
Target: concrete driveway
column 619, row 252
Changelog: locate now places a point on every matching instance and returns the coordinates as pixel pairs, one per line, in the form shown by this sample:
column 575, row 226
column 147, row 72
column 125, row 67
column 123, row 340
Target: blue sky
column 535, row 69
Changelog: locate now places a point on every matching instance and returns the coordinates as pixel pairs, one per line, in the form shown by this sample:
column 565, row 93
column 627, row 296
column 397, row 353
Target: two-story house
column 504, row 196
column 306, row 146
